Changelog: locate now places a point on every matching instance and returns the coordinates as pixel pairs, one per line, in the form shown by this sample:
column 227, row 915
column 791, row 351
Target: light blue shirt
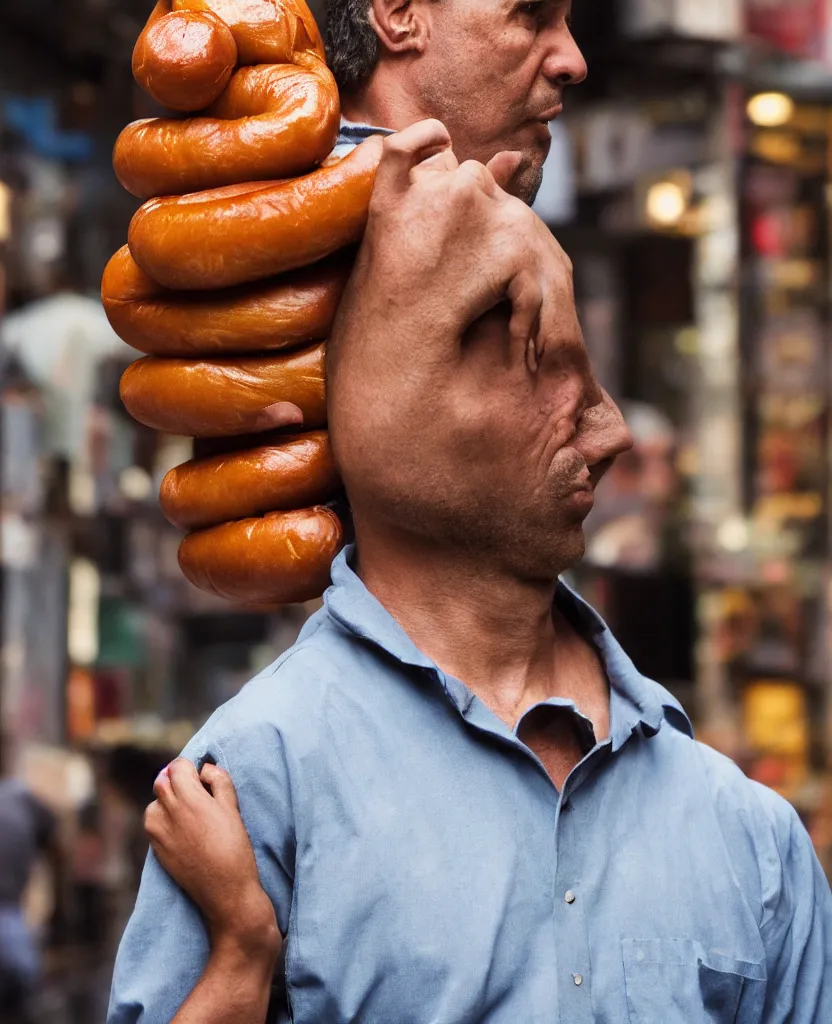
column 426, row 870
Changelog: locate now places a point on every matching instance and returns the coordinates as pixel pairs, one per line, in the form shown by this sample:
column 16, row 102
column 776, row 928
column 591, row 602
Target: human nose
column 603, row 434
column 565, row 64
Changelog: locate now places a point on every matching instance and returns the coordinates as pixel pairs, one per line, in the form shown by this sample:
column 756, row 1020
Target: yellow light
column 770, row 109
column 666, row 203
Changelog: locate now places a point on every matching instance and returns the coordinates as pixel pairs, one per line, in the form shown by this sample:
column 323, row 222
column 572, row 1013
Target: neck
column 495, row 633
column 385, row 101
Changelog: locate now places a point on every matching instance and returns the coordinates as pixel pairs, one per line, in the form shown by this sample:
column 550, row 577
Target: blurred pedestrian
column 27, row 831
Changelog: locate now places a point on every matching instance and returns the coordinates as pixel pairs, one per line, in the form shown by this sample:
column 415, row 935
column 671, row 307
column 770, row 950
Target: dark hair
column 352, row 46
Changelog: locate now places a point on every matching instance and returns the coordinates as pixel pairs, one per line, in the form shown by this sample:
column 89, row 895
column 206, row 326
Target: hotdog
column 293, row 473
column 221, row 238
column 284, row 313
column 227, row 273
column 221, row 397
column 281, row 558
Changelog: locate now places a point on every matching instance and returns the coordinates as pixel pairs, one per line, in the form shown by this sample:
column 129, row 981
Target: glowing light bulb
column 770, row 109
column 666, row 203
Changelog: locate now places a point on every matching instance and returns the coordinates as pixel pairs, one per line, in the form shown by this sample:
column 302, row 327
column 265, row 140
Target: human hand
column 446, row 240
column 198, row 835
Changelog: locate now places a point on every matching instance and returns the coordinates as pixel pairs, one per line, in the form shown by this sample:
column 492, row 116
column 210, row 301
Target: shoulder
column 762, row 810
column 281, row 705
column 763, row 832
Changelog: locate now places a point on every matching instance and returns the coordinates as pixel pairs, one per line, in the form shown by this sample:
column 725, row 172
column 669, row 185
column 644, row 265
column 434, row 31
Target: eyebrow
column 512, row 5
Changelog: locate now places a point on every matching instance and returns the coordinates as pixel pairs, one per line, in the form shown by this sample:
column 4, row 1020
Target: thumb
column 504, row 166
column 221, row 786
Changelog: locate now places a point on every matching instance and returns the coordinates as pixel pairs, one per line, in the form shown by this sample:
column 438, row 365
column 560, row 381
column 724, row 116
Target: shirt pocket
column 680, row 981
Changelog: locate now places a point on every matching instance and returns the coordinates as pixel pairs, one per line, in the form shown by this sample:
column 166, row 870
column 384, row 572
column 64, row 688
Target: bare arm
column 235, row 986
column 200, row 840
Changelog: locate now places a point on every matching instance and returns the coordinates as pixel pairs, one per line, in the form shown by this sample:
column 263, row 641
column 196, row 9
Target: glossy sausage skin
column 218, row 239
column 282, row 558
column 266, row 31
column 298, row 472
column 272, row 121
column 285, row 313
column 184, row 59
column 221, row 397
column 267, row 109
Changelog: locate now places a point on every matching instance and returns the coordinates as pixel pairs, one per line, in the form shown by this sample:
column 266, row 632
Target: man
column 465, row 803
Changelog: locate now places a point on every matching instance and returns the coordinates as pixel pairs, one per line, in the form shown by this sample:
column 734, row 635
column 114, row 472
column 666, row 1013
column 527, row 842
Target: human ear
column 401, row 25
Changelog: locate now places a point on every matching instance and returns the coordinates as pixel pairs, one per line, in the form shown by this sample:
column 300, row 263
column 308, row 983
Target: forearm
column 235, row 986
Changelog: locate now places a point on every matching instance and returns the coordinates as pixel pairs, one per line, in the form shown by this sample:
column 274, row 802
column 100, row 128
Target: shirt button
column 569, row 896
column 578, row 979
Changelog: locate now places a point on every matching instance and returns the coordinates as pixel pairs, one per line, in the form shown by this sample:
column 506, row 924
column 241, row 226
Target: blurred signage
column 797, row 27
column 718, row 20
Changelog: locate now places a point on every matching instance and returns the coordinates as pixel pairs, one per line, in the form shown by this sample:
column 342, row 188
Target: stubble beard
column 526, row 183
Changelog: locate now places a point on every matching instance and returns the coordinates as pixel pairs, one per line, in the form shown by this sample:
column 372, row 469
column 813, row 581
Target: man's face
column 528, row 440
column 494, row 73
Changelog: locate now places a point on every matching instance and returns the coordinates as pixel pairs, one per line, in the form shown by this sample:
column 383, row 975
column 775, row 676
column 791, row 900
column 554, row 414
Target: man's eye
column 534, row 9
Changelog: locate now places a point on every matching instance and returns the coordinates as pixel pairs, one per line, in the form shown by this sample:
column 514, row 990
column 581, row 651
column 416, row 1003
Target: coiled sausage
column 289, row 474
column 225, row 237
column 284, row 313
column 221, row 397
column 228, row 274
column 282, row 558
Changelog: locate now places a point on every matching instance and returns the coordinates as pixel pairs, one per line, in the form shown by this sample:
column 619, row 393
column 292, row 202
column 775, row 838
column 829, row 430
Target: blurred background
column 689, row 179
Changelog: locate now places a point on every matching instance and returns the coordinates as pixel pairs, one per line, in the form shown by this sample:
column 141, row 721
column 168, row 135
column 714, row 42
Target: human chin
column 526, row 183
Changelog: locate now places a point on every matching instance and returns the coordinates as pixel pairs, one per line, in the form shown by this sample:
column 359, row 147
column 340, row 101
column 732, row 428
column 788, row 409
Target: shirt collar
column 357, row 130
column 635, row 702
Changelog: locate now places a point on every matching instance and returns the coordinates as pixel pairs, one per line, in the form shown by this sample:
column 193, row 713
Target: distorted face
column 501, row 461
column 494, row 72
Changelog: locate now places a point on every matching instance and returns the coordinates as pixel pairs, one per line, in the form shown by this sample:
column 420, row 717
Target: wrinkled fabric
column 425, row 869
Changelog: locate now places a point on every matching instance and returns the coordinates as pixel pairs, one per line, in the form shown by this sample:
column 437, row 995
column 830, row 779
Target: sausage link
column 215, row 398
column 236, row 228
column 297, row 472
column 283, row 558
column 217, row 239
column 293, row 310
column 275, row 121
column 184, row 59
column 265, row 31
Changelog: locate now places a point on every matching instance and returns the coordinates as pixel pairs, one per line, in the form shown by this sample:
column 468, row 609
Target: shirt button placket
column 571, row 933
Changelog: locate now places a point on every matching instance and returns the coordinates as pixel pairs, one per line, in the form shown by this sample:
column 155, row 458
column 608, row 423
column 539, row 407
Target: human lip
column 583, row 497
column 550, row 114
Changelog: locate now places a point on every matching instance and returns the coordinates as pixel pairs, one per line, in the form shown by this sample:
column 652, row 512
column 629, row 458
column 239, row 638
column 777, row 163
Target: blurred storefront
column 690, row 180
column 700, row 232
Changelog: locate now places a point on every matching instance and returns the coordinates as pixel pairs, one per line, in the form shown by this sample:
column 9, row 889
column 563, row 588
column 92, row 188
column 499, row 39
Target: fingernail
column 164, row 773
column 281, row 414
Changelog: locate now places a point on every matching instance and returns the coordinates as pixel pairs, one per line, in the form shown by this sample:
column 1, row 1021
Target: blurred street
column 689, row 180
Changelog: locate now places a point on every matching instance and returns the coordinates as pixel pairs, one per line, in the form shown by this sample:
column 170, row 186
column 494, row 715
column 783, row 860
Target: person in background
column 628, row 528
column 27, row 832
